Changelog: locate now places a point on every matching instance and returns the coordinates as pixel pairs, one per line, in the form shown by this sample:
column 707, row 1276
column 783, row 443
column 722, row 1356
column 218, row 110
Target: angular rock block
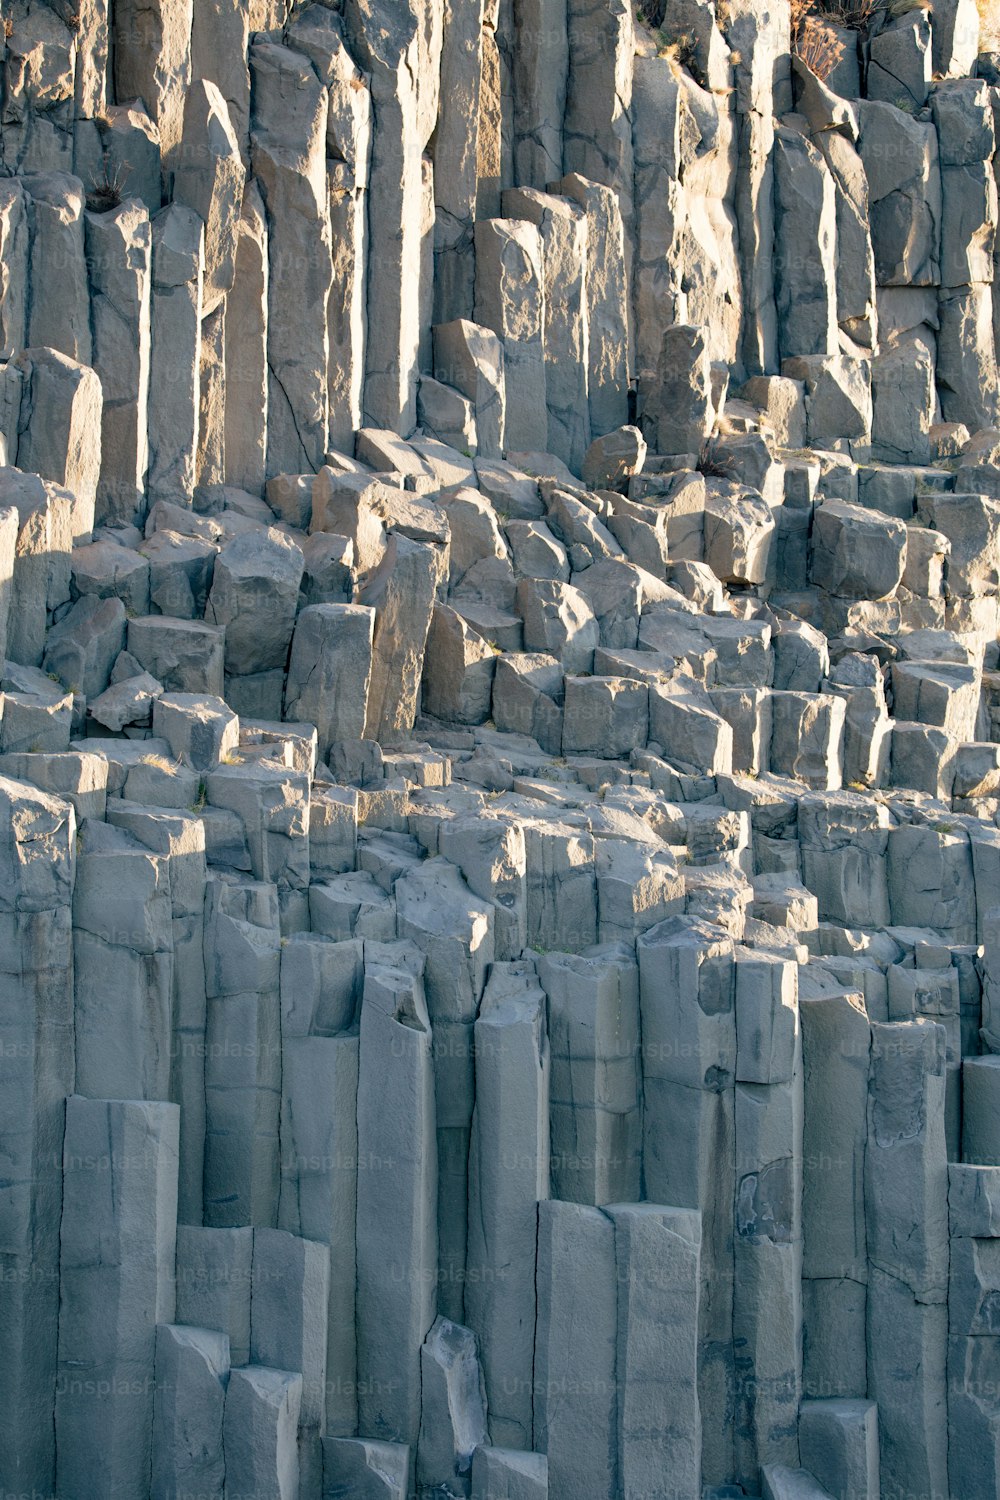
column 906, row 1184
column 605, row 716
column 243, row 1054
column 900, row 157
column 980, row 1089
column 176, row 310
column 360, row 1469
column 508, row 1175
column 82, row 648
column 966, row 368
column 527, row 688
column 807, row 734
column 259, row 1427
column 401, row 592
column 838, row 397
column 458, row 670
column 192, row 1371
column 563, row 235
column 123, row 968
column 508, row 1474
column 692, row 736
column 55, row 204
column 61, row 409
column 288, row 160
column 510, row 301
column 453, row 1407
column 255, row 590
column 594, row 1087
column 806, row 229
column 490, row 852
column 739, row 531
column 119, row 254
column 396, row 1292
column 37, row 576
column 682, row 407
column 856, row 552
column 657, row 1253
column 471, row 358
column 288, row 1325
column 838, row 1441
column 37, row 849
column 182, row 655
column 245, row 335
column 209, row 178
column 606, row 283
column 214, row 1269
column 575, row 1339
column 117, row 1284
column 903, row 395
column 329, row 671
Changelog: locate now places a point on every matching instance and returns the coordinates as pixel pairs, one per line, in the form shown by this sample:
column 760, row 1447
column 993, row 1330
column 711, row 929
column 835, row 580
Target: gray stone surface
column 117, row 1278
column 499, row 721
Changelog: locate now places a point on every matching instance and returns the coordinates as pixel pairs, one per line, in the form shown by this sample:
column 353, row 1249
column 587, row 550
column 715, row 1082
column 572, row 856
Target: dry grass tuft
column 814, row 39
column 989, row 25
column 107, row 189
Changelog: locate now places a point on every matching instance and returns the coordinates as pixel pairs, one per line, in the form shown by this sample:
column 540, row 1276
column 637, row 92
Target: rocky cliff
column 500, row 751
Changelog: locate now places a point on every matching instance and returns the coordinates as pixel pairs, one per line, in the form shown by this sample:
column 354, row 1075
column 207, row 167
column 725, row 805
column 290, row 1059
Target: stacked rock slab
column 499, row 751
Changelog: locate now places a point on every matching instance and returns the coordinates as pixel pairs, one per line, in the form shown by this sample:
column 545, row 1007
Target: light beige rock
column 119, row 251
column 152, row 61
column 399, row 47
column 62, row 319
column 563, row 230
column 608, row 315
column 174, row 377
column 246, row 318
column 208, row 178
column 510, row 300
column 61, row 406
column 219, row 37
column 402, row 593
column 288, row 157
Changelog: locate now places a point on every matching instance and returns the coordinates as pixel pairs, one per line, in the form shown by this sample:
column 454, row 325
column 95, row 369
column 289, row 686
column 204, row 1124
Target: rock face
column 499, row 751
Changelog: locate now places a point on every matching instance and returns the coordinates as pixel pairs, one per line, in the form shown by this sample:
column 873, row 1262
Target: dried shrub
column 715, row 463
column 107, row 188
column 814, row 39
column 989, row 25
column 683, row 50
column 857, row 16
column 819, row 46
